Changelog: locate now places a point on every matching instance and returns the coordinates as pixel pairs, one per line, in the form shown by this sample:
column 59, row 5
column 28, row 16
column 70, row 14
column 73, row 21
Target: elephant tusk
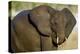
column 58, row 40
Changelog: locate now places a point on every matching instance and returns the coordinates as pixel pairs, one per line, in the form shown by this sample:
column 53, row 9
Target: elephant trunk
column 60, row 37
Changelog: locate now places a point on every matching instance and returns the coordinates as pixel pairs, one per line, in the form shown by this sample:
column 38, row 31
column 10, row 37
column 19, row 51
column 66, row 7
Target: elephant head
column 57, row 22
column 62, row 23
column 52, row 22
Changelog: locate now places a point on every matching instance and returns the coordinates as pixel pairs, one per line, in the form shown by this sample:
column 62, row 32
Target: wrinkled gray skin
column 38, row 29
column 40, row 17
column 49, row 21
column 58, row 22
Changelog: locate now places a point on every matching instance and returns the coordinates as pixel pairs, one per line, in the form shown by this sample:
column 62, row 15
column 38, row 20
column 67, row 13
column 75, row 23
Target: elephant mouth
column 60, row 42
column 57, row 40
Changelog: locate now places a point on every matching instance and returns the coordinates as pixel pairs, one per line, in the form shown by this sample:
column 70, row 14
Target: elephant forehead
column 59, row 17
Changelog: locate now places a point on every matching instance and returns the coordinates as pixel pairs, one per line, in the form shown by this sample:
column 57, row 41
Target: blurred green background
column 17, row 6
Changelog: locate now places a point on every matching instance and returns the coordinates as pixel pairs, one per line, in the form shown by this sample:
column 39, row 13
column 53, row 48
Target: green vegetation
column 17, row 6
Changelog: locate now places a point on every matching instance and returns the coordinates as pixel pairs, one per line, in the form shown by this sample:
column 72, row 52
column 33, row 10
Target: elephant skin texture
column 40, row 29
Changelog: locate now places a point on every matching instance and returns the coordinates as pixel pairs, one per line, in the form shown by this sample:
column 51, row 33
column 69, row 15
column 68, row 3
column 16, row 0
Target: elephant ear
column 70, row 21
column 40, row 18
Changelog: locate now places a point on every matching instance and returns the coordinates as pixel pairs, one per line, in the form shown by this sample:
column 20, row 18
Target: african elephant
column 39, row 29
column 56, row 22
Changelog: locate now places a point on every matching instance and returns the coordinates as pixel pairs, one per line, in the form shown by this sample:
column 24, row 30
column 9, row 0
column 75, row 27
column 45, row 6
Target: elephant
column 56, row 22
column 42, row 28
